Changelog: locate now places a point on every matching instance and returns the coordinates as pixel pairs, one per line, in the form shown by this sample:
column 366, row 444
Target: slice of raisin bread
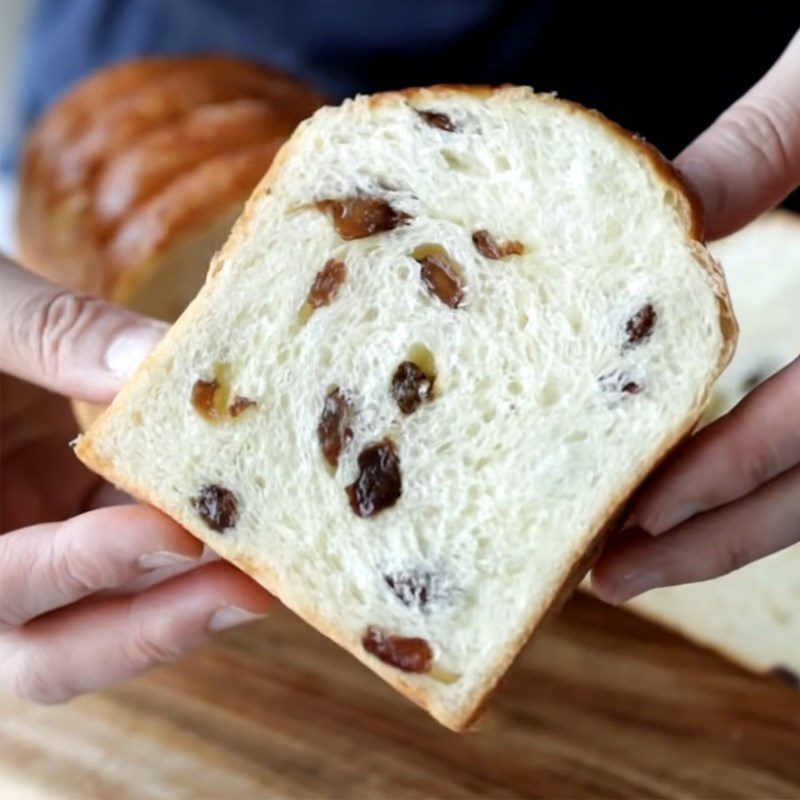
column 452, row 331
column 752, row 615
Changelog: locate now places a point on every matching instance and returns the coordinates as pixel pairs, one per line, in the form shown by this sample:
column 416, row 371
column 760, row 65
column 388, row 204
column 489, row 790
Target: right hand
column 730, row 494
column 108, row 592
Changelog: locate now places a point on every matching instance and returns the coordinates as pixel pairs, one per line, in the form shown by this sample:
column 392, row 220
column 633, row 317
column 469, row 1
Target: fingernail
column 631, row 584
column 161, row 559
column 672, row 516
column 231, row 616
column 131, row 346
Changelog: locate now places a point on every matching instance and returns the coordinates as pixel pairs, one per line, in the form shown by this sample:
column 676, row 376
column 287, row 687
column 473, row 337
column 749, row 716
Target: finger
column 72, row 344
column 161, row 574
column 758, row 440
column 48, row 566
column 705, row 547
column 102, row 641
column 749, row 159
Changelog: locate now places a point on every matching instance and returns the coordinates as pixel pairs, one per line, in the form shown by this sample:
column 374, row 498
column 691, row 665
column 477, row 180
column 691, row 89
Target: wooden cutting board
column 604, row 705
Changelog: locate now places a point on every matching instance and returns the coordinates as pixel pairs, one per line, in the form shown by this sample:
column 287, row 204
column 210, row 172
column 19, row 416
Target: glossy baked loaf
column 131, row 181
column 452, row 331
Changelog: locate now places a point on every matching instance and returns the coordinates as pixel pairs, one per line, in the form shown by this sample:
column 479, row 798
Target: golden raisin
column 443, row 675
column 411, row 387
column 640, row 325
column 210, row 398
column 489, row 247
column 437, row 120
column 440, row 274
column 204, row 396
column 217, row 506
column 358, row 216
column 407, row 654
column 334, row 431
column 379, row 484
column 327, row 283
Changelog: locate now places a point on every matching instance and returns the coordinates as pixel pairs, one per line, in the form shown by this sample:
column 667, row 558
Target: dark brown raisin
column 407, row 654
column 640, row 325
column 619, row 382
column 327, row 283
column 437, row 120
column 240, row 405
column 489, row 247
column 358, row 216
column 440, row 274
column 334, row 429
column 204, row 399
column 413, row 588
column 411, row 387
column 788, row 676
column 379, row 484
column 217, row 506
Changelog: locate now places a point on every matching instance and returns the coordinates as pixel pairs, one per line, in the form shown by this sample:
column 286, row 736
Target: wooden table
column 604, row 705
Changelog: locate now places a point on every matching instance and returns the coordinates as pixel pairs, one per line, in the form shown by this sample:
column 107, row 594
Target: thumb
column 71, row 344
column 749, row 159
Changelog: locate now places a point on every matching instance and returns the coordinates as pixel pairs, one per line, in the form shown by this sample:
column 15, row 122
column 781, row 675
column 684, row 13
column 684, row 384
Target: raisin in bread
column 132, row 180
column 751, row 615
column 451, row 333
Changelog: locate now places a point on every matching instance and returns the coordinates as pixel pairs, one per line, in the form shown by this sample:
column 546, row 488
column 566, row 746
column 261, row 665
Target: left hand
column 92, row 593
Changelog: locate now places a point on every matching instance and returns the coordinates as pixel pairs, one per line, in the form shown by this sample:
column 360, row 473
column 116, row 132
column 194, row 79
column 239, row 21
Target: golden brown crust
column 151, row 95
column 157, row 159
column 193, row 200
column 109, row 114
column 584, row 552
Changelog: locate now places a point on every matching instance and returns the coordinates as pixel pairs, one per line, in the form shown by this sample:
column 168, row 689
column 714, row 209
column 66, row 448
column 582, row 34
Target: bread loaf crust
column 582, row 556
column 113, row 117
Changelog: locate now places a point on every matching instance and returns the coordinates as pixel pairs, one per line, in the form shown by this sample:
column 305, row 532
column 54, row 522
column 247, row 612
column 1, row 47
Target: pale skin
column 116, row 589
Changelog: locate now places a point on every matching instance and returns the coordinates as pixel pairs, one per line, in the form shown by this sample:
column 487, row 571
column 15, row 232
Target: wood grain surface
column 604, row 705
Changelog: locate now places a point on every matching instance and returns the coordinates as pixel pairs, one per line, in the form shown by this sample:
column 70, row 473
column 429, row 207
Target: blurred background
column 13, row 17
column 666, row 76
column 606, row 704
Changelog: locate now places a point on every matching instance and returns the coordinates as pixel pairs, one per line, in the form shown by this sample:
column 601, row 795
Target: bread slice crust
column 580, row 560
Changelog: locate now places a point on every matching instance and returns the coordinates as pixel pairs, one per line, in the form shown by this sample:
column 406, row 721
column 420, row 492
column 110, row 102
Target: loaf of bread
column 131, row 182
column 752, row 615
column 451, row 333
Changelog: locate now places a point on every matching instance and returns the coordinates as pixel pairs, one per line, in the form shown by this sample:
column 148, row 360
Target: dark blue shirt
column 664, row 70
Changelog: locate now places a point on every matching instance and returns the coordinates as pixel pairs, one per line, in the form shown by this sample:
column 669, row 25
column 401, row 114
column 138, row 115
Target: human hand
column 71, row 616
column 730, row 494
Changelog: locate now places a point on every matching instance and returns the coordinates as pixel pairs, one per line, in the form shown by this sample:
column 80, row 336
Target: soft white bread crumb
column 751, row 615
column 546, row 412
